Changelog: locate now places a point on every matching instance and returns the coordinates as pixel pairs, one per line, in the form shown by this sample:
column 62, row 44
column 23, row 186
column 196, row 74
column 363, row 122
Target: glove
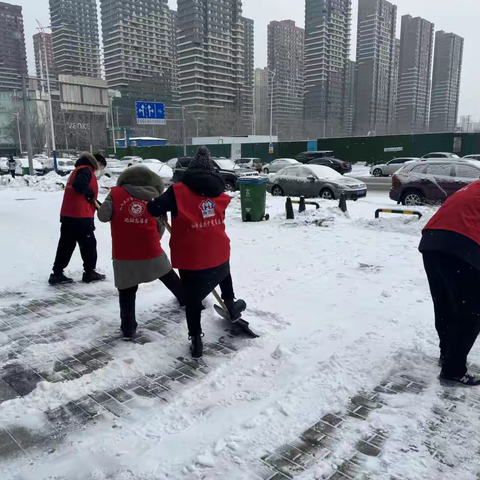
column 89, row 195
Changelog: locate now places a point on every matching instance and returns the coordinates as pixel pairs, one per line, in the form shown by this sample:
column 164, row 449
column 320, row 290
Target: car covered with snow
column 162, row 170
column 315, row 181
column 23, row 167
column 114, row 168
column 131, row 160
column 279, row 164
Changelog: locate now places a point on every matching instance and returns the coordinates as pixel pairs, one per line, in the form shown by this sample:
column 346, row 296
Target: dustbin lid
column 252, row 180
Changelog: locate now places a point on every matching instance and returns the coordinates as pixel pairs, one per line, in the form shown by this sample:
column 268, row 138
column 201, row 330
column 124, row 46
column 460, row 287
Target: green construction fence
column 352, row 149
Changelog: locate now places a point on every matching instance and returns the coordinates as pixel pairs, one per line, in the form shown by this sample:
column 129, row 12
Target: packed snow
column 340, row 301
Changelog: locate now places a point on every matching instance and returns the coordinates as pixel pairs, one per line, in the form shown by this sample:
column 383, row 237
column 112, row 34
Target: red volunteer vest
column 75, row 204
column 199, row 240
column 460, row 213
column 134, row 231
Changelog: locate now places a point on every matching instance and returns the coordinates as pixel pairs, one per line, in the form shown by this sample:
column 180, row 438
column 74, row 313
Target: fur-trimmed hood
column 87, row 159
column 140, row 182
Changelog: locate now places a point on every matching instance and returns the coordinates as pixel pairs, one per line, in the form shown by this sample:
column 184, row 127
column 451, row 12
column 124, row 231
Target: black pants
column 73, row 231
column 198, row 284
column 128, row 296
column 454, row 287
column 12, row 173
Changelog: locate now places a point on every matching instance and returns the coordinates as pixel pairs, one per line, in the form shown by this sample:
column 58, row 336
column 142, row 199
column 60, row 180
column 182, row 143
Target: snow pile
column 359, row 171
column 52, row 182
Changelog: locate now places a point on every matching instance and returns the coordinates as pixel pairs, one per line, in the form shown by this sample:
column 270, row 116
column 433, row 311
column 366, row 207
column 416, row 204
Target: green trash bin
column 253, row 194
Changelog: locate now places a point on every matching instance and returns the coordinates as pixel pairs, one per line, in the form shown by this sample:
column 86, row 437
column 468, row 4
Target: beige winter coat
column 140, row 182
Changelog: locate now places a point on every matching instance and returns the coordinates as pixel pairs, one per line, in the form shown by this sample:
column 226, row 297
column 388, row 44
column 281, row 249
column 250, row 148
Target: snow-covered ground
column 341, row 303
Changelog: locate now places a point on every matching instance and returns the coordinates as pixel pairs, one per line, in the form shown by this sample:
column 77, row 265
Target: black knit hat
column 101, row 159
column 202, row 161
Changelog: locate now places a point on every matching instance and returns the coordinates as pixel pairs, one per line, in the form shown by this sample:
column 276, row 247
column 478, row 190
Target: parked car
column 475, row 156
column 3, row 165
column 279, row 164
column 440, row 155
column 65, row 166
column 151, row 160
column 306, row 157
column 253, row 163
column 131, row 160
column 172, row 162
column 224, row 166
column 114, row 167
column 24, row 169
column 338, row 165
column 315, row 181
column 389, row 168
column 432, row 181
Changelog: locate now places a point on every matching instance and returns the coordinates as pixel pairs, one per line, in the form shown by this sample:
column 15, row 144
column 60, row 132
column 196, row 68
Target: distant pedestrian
column 451, row 254
column 77, row 219
column 137, row 254
column 12, row 165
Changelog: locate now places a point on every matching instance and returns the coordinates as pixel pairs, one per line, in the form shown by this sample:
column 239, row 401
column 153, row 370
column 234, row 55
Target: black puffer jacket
column 207, row 184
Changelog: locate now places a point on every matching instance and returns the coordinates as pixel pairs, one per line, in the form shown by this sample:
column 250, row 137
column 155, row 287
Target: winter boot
column 93, row 277
column 129, row 335
column 59, row 278
column 196, row 348
column 468, row 380
column 235, row 308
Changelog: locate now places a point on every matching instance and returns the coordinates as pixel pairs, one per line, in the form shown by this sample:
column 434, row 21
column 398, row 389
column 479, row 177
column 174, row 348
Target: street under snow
column 341, row 384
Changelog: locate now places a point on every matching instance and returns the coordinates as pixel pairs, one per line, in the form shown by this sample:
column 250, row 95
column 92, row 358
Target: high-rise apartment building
column 415, row 69
column 447, row 75
column 376, row 52
column 247, row 100
column 261, row 99
column 350, row 81
column 139, row 40
column 76, row 44
column 286, row 60
column 211, row 56
column 43, row 49
column 327, row 50
column 13, row 57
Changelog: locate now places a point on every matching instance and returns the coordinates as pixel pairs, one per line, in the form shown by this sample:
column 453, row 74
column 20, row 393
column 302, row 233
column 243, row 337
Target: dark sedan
column 338, row 165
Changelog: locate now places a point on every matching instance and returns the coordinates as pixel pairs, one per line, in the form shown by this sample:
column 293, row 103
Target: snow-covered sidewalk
column 342, row 382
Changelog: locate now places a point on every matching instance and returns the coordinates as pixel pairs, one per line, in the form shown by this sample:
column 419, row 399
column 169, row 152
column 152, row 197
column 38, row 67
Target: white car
column 23, row 167
column 3, row 165
column 391, row 167
column 151, row 160
column 472, row 157
column 65, row 166
column 114, row 167
column 162, row 170
column 131, row 160
column 279, row 164
column 172, row 163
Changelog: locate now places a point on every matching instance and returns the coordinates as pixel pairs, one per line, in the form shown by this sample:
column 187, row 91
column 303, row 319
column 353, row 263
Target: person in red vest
column 137, row 254
column 199, row 245
column 450, row 247
column 77, row 219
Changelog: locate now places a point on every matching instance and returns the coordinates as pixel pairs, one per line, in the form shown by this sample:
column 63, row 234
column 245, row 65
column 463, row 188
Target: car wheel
column 377, row 172
column 229, row 186
column 266, row 171
column 277, row 191
column 327, row 194
column 413, row 199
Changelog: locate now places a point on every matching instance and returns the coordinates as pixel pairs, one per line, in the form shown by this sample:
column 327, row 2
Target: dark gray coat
column 140, row 182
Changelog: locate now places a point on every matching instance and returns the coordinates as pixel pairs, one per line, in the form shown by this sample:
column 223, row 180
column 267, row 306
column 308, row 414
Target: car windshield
column 324, row 172
column 114, row 163
column 66, row 163
column 225, row 164
column 151, row 160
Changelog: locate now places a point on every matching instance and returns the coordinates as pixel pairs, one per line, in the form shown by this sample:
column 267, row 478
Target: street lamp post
column 52, row 128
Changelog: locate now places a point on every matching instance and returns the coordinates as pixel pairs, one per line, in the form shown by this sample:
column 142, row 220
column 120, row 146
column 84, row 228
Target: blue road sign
column 150, row 113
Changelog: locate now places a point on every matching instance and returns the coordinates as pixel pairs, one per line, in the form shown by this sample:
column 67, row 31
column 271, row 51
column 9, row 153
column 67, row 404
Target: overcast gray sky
column 460, row 17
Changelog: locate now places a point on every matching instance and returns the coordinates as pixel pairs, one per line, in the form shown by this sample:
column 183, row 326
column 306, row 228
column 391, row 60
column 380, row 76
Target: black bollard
column 289, row 209
column 343, row 202
column 302, row 207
